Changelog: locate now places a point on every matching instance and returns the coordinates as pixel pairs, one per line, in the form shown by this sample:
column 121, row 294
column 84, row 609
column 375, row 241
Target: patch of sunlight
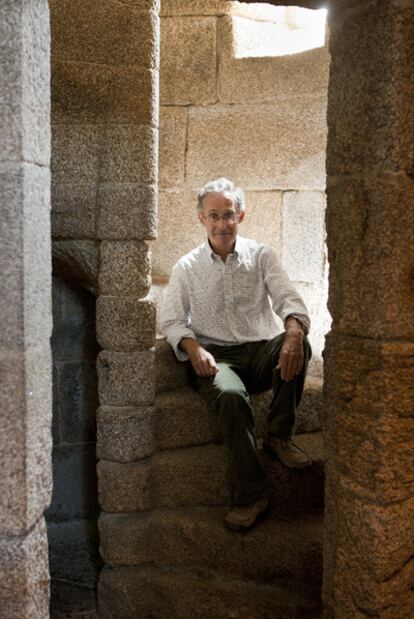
column 290, row 30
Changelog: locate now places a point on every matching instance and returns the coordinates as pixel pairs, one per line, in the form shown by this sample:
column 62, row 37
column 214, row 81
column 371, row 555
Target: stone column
column 369, row 545
column 125, row 314
column 25, row 372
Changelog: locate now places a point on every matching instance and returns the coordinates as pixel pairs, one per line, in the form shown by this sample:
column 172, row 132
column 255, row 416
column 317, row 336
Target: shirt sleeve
column 175, row 312
column 286, row 301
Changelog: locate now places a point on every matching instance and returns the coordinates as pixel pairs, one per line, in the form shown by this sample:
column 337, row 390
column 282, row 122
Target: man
column 218, row 315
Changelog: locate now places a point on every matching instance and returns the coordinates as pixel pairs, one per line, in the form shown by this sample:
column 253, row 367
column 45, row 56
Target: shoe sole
column 240, row 528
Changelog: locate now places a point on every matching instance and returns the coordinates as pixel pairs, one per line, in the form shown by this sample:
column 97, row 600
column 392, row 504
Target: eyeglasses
column 229, row 217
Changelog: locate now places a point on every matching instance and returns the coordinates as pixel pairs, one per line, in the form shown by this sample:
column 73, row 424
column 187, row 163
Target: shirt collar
column 238, row 250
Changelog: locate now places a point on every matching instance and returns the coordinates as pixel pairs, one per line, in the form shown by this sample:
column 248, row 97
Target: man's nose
column 222, row 223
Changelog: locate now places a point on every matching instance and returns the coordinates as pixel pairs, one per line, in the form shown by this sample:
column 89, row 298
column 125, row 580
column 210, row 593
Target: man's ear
column 200, row 217
column 241, row 216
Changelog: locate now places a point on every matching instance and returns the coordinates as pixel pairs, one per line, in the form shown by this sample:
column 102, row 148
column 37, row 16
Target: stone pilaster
column 25, row 306
column 369, row 568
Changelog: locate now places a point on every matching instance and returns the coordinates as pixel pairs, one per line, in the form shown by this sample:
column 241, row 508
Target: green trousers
column 245, row 369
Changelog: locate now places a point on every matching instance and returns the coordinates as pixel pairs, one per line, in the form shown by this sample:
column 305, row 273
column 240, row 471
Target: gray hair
column 221, row 185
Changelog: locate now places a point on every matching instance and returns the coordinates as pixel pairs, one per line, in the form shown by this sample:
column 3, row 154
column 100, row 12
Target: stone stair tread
column 159, row 593
column 198, row 476
column 184, row 418
column 279, row 551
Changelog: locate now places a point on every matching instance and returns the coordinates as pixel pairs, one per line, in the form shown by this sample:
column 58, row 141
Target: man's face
column 221, row 231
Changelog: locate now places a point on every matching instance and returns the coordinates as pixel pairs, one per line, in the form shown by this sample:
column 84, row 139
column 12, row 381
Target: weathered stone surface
column 67, row 598
column 25, row 255
column 265, row 79
column 73, row 554
column 261, row 147
column 273, row 551
column 25, row 437
column 180, row 596
column 198, row 476
column 170, row 373
column 84, row 93
column 76, row 153
column 124, row 487
column 255, row 10
column 126, row 211
column 124, row 269
column 25, row 82
column 73, row 210
column 368, row 386
column 361, row 303
column 188, row 61
column 315, row 297
column 126, row 379
column 370, row 112
column 105, row 33
column 124, row 434
column 129, row 154
column 173, row 129
column 174, row 241
column 304, row 235
column 124, row 538
column 74, row 483
column 77, row 261
column 24, row 574
column 125, row 324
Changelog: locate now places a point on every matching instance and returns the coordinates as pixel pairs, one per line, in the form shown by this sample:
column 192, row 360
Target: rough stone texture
column 125, row 324
column 265, row 79
column 76, row 37
column 170, row 373
column 188, row 61
column 303, row 246
column 127, row 592
column 76, row 154
column 263, row 220
column 371, row 85
column 124, row 269
column 361, row 303
column 25, row 204
column 129, row 154
column 126, row 211
column 126, row 379
column 183, row 418
column 175, row 240
column 198, row 476
column 172, row 143
column 124, row 487
column 73, row 214
column 84, row 93
column 274, row 551
column 77, row 261
column 125, row 434
column 24, row 574
column 262, row 147
column 25, row 82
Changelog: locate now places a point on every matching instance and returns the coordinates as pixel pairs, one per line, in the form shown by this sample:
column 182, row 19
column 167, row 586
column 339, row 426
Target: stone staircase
column 172, row 556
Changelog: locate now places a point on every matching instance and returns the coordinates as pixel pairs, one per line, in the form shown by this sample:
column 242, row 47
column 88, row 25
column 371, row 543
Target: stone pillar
column 125, row 314
column 25, row 307
column 369, row 545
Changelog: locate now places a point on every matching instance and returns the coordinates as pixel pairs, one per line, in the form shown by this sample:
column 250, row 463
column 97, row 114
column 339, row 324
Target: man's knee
column 233, row 407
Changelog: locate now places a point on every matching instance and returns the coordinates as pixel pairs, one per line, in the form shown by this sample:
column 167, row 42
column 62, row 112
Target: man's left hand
column 291, row 355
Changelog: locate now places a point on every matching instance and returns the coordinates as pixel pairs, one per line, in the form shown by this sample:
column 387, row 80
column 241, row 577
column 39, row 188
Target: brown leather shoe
column 290, row 454
column 243, row 518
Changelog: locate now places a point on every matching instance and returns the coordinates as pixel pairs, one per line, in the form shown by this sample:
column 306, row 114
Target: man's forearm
column 188, row 345
column 293, row 326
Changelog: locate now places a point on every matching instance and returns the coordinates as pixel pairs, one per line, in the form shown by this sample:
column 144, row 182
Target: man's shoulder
column 252, row 247
column 192, row 258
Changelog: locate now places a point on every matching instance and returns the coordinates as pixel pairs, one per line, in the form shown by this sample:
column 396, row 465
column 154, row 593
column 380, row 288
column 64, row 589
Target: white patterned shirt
column 230, row 302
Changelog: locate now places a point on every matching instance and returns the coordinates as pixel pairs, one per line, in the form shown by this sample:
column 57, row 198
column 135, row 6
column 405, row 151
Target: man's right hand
column 202, row 361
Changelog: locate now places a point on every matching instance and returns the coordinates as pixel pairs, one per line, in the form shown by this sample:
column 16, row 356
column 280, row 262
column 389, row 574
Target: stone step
column 198, row 476
column 285, row 553
column 183, row 417
column 131, row 592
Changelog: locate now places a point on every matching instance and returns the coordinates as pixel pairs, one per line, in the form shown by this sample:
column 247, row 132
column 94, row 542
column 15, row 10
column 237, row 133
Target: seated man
column 218, row 314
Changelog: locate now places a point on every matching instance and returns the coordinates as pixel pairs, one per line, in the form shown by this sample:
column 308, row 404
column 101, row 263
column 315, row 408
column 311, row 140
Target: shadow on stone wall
column 72, row 516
